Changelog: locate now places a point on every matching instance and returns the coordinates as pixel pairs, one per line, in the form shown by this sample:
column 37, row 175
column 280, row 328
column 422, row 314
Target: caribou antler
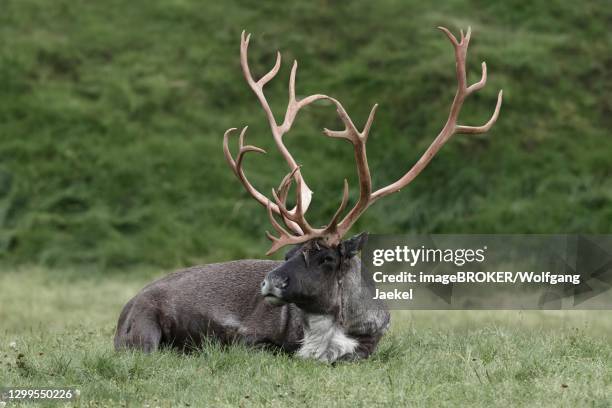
column 334, row 231
column 278, row 131
column 366, row 198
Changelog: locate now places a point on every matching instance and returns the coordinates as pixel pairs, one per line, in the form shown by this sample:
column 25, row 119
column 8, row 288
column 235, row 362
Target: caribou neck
column 358, row 312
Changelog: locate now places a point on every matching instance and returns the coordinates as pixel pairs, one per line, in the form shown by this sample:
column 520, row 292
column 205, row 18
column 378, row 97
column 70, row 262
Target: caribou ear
column 352, row 246
column 292, row 251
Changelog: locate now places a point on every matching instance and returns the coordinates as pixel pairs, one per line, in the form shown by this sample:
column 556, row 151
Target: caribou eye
column 327, row 259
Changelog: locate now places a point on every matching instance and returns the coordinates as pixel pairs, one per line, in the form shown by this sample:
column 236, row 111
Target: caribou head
column 312, row 275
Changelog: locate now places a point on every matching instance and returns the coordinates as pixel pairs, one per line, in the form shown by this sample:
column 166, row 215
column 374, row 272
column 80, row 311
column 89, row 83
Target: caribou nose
column 273, row 285
column 265, row 287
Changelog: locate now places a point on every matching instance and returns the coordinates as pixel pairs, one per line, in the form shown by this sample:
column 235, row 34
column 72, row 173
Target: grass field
column 63, row 325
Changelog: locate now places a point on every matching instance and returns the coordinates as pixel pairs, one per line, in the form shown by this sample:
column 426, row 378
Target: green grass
column 112, row 115
column 63, row 328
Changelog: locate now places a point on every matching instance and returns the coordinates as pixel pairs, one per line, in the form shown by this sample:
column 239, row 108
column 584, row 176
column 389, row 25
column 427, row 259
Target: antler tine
column 275, row 224
column 292, row 82
column 283, row 187
column 236, row 165
column 450, row 36
column 333, row 224
column 226, row 150
column 349, row 132
column 484, row 128
column 366, row 129
column 480, row 84
column 266, row 78
column 294, row 105
column 244, row 47
column 299, row 211
column 281, row 197
column 281, row 203
column 248, row 148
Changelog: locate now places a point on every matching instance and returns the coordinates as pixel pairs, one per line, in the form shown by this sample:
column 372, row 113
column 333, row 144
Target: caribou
column 316, row 303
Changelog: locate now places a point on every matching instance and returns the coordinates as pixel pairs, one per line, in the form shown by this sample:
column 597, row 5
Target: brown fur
column 180, row 309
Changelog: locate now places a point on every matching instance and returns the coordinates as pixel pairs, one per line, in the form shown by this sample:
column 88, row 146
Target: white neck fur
column 324, row 340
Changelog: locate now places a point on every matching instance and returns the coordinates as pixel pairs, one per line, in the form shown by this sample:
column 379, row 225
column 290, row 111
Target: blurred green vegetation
column 112, row 115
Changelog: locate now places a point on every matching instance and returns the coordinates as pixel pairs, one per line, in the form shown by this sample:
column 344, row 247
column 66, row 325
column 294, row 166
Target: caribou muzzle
column 273, row 287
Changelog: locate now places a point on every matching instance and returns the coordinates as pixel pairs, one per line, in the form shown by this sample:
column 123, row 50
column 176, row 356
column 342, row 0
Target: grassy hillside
column 112, row 115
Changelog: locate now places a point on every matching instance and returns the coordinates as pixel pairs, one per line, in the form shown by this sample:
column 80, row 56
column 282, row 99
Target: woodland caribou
column 314, row 303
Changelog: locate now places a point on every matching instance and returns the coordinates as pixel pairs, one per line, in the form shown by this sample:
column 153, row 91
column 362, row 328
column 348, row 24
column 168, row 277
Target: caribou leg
column 137, row 329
